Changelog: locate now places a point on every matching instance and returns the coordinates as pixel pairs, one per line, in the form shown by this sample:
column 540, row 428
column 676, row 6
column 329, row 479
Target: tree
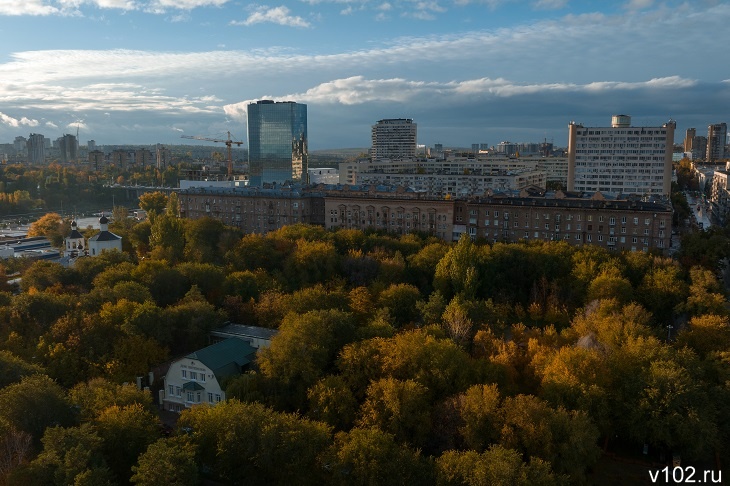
column 247, row 443
column 456, row 272
column 401, row 299
column 398, row 407
column 706, row 334
column 565, row 439
column 13, row 368
column 167, row 461
column 364, row 457
column 167, row 238
column 497, row 466
column 16, row 448
column 52, row 226
column 153, row 202
column 311, row 262
column 305, row 349
column 478, row 408
column 44, row 274
column 332, row 402
column 69, row 456
column 126, row 432
column 33, row 404
column 95, row 396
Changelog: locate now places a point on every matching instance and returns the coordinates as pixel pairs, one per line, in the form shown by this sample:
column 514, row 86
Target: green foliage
column 14, row 368
column 366, row 457
column 34, row 404
column 170, row 462
column 126, row 432
column 497, row 466
column 249, row 443
column 304, row 350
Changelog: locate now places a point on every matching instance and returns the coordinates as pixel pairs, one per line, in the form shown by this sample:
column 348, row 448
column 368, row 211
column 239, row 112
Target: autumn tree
column 52, row 226
column 153, row 202
column 167, row 461
column 365, row 457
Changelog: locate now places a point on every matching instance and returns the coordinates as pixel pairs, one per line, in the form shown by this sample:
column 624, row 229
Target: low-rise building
column 196, row 378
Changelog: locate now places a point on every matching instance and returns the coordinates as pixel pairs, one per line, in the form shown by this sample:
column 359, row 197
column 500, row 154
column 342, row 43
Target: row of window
column 193, row 397
column 193, row 375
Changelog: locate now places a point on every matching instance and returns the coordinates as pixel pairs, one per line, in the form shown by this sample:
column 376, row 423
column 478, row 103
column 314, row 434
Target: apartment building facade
column 621, row 158
column 530, row 214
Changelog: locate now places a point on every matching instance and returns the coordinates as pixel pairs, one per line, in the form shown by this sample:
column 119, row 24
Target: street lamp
column 669, row 332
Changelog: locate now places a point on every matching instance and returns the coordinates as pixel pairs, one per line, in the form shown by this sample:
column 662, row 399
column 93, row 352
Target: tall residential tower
column 716, row 139
column 394, row 139
column 277, row 142
column 621, row 158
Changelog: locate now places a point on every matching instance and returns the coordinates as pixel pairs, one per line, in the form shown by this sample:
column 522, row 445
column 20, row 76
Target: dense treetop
column 399, row 360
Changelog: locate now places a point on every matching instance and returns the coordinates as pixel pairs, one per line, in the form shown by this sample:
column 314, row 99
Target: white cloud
column 27, row 7
column 51, row 125
column 358, row 90
column 275, row 15
column 638, row 4
column 15, row 123
column 549, row 4
column 72, row 7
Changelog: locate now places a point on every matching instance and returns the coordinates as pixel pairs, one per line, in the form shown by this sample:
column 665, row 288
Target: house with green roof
column 196, row 378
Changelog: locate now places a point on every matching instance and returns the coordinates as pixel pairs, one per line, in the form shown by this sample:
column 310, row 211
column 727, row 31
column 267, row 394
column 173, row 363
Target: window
column 193, row 375
column 172, row 390
column 210, row 398
column 184, row 373
column 202, row 377
column 190, row 396
column 217, row 397
column 178, row 391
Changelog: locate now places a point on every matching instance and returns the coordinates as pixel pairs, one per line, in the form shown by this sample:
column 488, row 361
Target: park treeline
column 398, row 359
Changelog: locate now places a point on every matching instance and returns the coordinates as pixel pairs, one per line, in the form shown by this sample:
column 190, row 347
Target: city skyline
column 465, row 71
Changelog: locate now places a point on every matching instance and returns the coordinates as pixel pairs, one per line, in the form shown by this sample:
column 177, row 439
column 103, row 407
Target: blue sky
column 466, row 71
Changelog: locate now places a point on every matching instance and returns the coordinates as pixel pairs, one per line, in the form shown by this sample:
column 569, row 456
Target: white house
column 197, row 377
column 104, row 240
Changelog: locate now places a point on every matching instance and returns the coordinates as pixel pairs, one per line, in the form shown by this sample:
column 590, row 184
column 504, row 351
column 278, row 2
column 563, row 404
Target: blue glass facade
column 277, row 142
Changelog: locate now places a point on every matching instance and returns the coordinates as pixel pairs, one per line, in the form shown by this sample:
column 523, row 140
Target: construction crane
column 229, row 142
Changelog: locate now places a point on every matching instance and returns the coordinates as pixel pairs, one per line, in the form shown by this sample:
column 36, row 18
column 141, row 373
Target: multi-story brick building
column 614, row 224
column 253, row 209
column 530, row 214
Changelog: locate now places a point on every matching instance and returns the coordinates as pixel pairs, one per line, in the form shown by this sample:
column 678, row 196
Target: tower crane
column 228, row 143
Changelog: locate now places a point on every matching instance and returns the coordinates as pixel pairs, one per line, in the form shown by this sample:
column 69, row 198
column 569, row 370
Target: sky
column 466, row 71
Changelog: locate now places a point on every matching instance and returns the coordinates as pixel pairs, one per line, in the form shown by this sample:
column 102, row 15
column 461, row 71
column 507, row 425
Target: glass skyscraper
column 277, row 142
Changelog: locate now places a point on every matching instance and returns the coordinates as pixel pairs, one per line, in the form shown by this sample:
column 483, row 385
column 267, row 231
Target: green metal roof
column 192, row 386
column 226, row 357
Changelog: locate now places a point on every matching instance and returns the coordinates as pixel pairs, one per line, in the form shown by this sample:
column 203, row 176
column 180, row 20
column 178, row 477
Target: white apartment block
column 393, row 138
column 454, row 177
column 620, row 158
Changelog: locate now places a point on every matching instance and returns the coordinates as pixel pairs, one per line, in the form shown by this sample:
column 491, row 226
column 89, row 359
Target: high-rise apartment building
column 162, row 157
column 716, row 139
column 621, row 158
column 689, row 138
column 69, row 147
column 394, row 139
column 277, row 142
column 36, row 149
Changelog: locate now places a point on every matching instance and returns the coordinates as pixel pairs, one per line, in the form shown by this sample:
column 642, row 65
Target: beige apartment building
column 253, row 210
column 613, row 224
column 530, row 214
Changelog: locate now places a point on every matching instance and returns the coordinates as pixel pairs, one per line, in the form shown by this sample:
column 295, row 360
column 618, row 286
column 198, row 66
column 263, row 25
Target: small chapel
column 103, row 240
